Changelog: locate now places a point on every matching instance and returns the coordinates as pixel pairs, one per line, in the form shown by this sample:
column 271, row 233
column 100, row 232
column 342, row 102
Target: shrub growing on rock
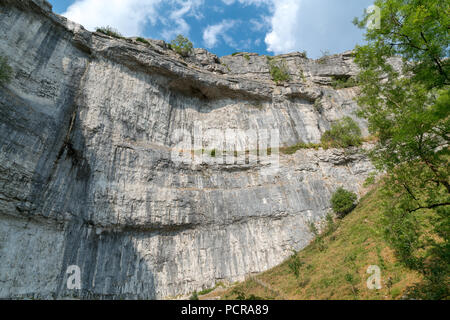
column 343, row 202
column 182, row 46
column 5, row 70
column 343, row 82
column 295, row 264
column 345, row 133
column 142, row 40
column 278, row 70
column 110, row 31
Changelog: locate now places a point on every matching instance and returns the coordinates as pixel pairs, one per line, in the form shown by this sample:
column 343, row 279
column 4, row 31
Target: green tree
column 5, row 70
column 343, row 202
column 182, row 46
column 405, row 98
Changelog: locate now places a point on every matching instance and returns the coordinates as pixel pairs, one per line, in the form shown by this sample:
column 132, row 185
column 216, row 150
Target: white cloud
column 288, row 25
column 284, row 23
column 128, row 16
column 131, row 16
column 176, row 17
column 285, row 27
column 260, row 24
column 248, row 2
column 212, row 33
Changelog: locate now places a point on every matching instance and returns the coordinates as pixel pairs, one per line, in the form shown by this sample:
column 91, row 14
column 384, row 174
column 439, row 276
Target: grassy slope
column 326, row 268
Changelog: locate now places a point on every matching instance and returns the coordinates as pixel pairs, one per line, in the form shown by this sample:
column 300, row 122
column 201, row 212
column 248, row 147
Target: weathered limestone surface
column 87, row 176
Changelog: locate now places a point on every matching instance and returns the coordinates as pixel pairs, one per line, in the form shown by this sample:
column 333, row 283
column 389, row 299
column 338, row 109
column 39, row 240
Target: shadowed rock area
column 88, row 129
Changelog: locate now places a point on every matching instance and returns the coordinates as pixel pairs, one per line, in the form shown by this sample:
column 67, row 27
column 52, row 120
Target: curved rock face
column 93, row 171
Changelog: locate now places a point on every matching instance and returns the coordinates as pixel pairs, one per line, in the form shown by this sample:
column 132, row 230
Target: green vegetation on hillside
column 5, row 70
column 334, row 265
column 343, row 202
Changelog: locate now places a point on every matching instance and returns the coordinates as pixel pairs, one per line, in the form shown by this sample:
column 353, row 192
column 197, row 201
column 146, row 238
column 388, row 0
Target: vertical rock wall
column 88, row 129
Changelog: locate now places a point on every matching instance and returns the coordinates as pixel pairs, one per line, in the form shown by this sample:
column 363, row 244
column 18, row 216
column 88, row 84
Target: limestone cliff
column 88, row 129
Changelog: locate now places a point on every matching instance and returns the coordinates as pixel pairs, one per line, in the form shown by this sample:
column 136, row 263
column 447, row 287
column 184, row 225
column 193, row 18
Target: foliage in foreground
column 408, row 110
column 182, row 46
column 5, row 70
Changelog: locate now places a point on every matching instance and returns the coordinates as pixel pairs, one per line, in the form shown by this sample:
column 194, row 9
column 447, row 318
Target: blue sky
column 227, row 26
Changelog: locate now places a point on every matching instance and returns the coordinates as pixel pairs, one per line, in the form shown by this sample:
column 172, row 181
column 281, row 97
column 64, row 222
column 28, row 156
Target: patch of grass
column 339, row 271
column 370, row 180
column 226, row 66
column 205, row 291
column 235, row 54
column 142, row 40
column 294, row 264
column 247, row 57
column 5, row 70
column 110, row 31
column 343, row 134
column 395, row 293
column 278, row 70
column 240, row 295
column 301, row 145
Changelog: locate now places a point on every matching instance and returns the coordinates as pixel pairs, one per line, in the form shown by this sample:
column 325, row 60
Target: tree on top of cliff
column 182, row 46
column 407, row 107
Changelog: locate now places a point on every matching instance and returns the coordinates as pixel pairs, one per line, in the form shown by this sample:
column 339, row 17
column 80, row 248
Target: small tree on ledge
column 182, row 46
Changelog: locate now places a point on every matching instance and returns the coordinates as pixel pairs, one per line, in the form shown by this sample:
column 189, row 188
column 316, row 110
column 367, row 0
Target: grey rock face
column 88, row 178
